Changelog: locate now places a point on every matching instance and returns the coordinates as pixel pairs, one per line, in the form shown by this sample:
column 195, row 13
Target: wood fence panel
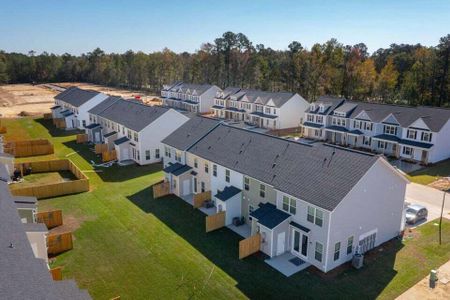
column 59, row 123
column 100, row 148
column 249, row 246
column 56, row 273
column 51, row 218
column 200, row 198
column 59, row 242
column 3, row 130
column 82, row 138
column 161, row 189
column 216, row 221
column 109, row 155
column 48, row 116
column 26, row 148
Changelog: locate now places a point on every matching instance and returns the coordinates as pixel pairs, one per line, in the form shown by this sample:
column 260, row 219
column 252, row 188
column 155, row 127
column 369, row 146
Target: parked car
column 416, row 213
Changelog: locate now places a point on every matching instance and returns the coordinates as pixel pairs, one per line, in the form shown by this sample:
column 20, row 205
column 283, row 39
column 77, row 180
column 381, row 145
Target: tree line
column 402, row 73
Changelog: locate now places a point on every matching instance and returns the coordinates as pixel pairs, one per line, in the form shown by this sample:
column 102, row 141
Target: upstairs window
column 206, row 168
column 167, row 151
column 246, row 183
column 388, row 129
column 215, row 170
column 135, row 137
column 227, row 175
column 289, row 205
column 156, row 153
column 350, row 245
column 426, row 136
column 315, row 216
column 195, row 163
column 411, row 134
column 178, row 156
column 319, row 119
column 310, row 118
column 262, row 190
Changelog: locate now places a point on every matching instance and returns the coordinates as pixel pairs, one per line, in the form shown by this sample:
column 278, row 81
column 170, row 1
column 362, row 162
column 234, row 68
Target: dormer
column 321, row 108
column 312, row 107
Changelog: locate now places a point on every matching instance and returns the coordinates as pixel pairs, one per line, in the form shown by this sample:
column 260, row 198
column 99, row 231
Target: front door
column 97, row 137
column 281, row 240
column 300, row 243
column 186, row 187
column 424, row 157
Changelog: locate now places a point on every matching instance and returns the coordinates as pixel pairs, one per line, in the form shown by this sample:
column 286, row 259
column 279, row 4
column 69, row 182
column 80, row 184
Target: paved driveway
column 430, row 198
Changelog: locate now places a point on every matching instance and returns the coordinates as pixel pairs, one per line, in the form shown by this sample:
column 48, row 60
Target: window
column 390, row 129
column 408, row 151
column 310, row 118
column 203, row 187
column 350, row 245
column 128, row 133
column 227, row 174
column 178, row 156
column 206, row 168
column 167, row 151
column 315, row 216
column 381, row 145
column 337, row 250
column 319, row 119
column 317, row 132
column 156, row 153
column 310, row 216
column 357, row 124
column 367, row 140
column 426, row 136
column 289, row 205
column 411, row 134
column 267, row 110
column 368, row 126
column 135, row 137
column 147, row 154
column 246, row 183
column 174, row 183
column 262, row 190
column 195, row 163
column 318, row 252
column 84, row 123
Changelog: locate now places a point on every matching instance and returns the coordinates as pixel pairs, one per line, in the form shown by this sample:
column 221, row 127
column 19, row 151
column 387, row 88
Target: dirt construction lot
column 27, row 99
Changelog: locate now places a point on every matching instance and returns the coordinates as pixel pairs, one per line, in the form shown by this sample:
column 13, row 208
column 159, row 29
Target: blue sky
column 60, row 26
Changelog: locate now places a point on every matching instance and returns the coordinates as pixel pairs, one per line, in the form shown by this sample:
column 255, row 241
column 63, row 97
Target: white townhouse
column 24, row 270
column 418, row 134
column 73, row 105
column 271, row 110
column 133, row 129
column 187, row 174
column 319, row 203
column 196, row 98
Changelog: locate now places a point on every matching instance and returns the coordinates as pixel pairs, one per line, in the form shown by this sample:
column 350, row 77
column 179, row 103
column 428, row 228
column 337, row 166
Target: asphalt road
column 430, row 198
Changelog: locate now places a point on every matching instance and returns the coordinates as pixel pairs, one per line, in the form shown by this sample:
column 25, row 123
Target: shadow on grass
column 254, row 277
column 115, row 173
column 56, row 132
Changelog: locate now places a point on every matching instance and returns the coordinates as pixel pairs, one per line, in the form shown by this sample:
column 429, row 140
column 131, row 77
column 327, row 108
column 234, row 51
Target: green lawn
column 432, row 173
column 131, row 245
column 44, row 178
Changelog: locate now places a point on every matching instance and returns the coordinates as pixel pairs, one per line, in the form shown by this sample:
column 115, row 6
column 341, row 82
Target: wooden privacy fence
column 59, row 242
column 29, row 148
column 200, row 198
column 81, row 184
column 50, row 218
column 56, row 273
column 109, row 155
column 100, row 148
column 161, row 189
column 48, row 116
column 82, row 138
column 59, row 123
column 249, row 246
column 216, row 221
column 286, row 131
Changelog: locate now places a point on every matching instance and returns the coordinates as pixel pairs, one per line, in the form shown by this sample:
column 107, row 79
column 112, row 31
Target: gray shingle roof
column 190, row 132
column 329, row 102
column 132, row 114
column 22, row 276
column 184, row 87
column 76, row 96
column 303, row 171
column 278, row 98
column 103, row 105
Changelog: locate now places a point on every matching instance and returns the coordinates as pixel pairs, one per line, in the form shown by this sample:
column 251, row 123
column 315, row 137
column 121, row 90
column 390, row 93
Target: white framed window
column 262, row 190
column 426, row 136
column 246, row 183
column 310, row 118
column 411, row 134
column 318, row 251
column 337, row 250
column 408, row 151
column 350, row 245
column 178, row 156
column 289, row 205
column 156, row 153
column 167, row 151
column 206, row 168
column 315, row 216
column 382, row 145
column 319, row 119
column 147, row 154
column 195, row 163
column 388, row 129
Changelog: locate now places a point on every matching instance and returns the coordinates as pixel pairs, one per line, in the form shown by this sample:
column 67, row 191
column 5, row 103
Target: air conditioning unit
column 357, row 261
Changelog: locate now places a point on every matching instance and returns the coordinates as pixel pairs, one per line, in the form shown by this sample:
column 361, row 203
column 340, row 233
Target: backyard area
column 128, row 244
column 44, row 178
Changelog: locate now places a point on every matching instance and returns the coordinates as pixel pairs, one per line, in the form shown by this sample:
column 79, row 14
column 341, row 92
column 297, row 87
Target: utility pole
column 440, row 220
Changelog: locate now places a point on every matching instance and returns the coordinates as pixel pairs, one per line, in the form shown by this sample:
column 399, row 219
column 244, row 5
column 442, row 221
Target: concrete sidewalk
column 422, row 290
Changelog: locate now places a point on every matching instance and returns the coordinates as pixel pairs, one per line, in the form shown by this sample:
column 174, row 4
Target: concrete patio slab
column 243, row 230
column 283, row 264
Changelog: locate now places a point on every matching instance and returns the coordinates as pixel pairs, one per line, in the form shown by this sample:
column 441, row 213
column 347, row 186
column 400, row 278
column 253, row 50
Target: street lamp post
column 442, row 213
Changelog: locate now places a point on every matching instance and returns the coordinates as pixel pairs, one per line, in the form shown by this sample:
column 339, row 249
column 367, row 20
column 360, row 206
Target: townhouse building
column 418, row 134
column 133, row 129
column 271, row 110
column 24, row 272
column 196, row 98
column 73, row 105
column 320, row 203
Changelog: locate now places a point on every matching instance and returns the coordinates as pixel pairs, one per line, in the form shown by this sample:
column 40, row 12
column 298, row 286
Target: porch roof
column 337, row 128
column 177, row 169
column 227, row 193
column 387, row 137
column 55, row 107
column 91, row 126
column 263, row 115
column 416, row 144
column 218, row 107
column 121, row 140
column 355, row 132
column 67, row 114
column 234, row 109
column 313, row 125
column 109, row 134
column 269, row 215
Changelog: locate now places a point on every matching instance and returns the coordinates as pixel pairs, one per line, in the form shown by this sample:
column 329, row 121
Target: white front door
column 97, row 137
column 281, row 240
column 126, row 153
column 186, row 187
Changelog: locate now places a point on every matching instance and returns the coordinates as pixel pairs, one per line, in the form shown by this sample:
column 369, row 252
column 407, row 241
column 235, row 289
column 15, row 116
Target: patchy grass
column 432, row 173
column 129, row 244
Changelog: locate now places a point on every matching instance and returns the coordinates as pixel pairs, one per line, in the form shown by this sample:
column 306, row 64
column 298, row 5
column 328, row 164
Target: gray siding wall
column 252, row 197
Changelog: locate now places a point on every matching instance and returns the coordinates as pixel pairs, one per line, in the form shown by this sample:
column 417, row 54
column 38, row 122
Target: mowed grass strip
column 432, row 173
column 128, row 244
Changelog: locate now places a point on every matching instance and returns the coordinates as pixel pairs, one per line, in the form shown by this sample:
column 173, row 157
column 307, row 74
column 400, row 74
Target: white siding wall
column 83, row 114
column 219, row 183
column 441, row 148
column 292, row 112
column 207, row 99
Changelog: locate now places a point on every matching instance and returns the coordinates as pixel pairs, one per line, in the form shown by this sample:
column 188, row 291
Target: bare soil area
column 25, row 99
